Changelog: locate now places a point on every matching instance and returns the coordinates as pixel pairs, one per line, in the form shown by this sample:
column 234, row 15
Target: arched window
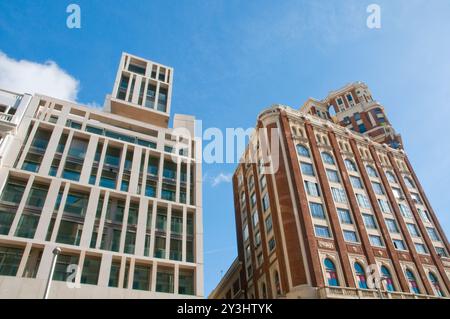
column 277, row 283
column 391, row 177
column 412, row 282
column 327, row 158
column 388, row 277
column 302, row 150
column 409, row 183
column 371, row 171
column 350, row 165
column 435, row 283
column 330, row 269
column 360, row 275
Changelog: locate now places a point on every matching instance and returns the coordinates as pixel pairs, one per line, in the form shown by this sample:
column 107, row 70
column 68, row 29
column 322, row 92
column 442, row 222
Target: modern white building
column 113, row 189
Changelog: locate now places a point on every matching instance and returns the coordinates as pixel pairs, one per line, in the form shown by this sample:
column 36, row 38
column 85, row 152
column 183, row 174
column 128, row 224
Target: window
column 424, row 215
column 388, row 278
column 406, row 212
column 333, row 175
column 416, row 198
column 164, row 280
column 339, row 195
column 433, row 234
column 307, row 169
column 302, row 150
column 409, row 183
column 435, row 284
column 363, row 201
column 351, row 167
column 384, row 205
column 375, row 240
column 377, row 188
column 62, row 270
column 312, row 189
column 91, row 269
column 361, row 276
column 390, row 177
column 263, row 182
column 350, row 236
column 257, row 239
column 441, row 251
column 421, row 249
column 9, row 260
column 322, row 231
column 317, row 210
column 412, row 282
column 245, row 231
column 268, row 223
column 141, row 277
column 253, row 199
column 271, row 244
column 413, row 230
column 344, row 216
column 369, row 221
column 371, row 171
column 392, row 226
column 251, row 182
column 356, row 182
column 331, row 273
column 186, row 282
column 399, row 244
column 327, row 158
column 397, row 193
column 255, row 219
column 265, row 202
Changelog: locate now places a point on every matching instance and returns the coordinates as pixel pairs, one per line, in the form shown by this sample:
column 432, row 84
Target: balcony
column 355, row 293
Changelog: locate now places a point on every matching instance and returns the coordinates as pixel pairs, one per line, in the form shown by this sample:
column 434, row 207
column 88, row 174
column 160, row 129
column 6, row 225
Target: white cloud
column 48, row 78
column 221, row 178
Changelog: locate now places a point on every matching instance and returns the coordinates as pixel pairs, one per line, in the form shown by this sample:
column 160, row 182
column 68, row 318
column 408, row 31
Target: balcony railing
column 355, row 293
column 5, row 117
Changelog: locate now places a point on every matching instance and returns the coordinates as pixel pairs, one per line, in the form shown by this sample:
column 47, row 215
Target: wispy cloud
column 221, row 178
column 47, row 78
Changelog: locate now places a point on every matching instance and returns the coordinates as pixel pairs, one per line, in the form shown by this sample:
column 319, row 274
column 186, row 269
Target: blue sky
column 234, row 58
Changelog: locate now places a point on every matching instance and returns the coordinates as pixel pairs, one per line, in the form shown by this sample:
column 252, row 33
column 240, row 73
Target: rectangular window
column 91, row 269
column 441, row 251
column 255, row 218
column 312, row 189
column 62, row 270
column 317, row 210
column 399, row 244
column 333, row 176
column 377, row 188
column 269, row 223
column 253, row 199
column 421, row 249
column 344, row 216
column 433, row 234
column 424, row 215
column 9, row 260
column 245, row 232
column 186, row 282
column 164, row 280
column 413, row 230
column 356, row 182
column 307, row 168
column 265, row 202
column 369, row 221
column 375, row 240
column 114, row 274
column 392, row 226
column 141, row 278
column 339, row 195
column 384, row 206
column 406, row 212
column 416, row 198
column 397, row 193
column 322, row 231
column 271, row 244
column 350, row 236
column 363, row 201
